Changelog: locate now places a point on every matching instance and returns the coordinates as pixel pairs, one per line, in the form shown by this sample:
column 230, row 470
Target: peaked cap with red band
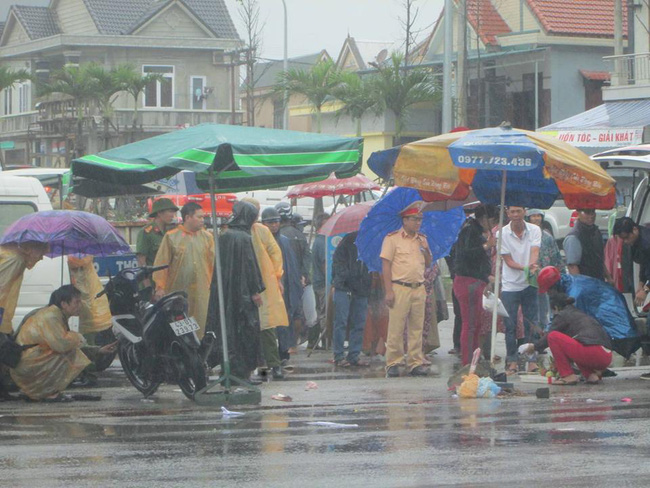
column 413, row 209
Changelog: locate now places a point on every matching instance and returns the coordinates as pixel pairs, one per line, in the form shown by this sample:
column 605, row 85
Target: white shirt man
column 520, row 249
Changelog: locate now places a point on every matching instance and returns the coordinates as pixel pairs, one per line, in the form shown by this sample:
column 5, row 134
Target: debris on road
column 334, row 425
column 227, row 413
column 282, row 398
column 311, row 385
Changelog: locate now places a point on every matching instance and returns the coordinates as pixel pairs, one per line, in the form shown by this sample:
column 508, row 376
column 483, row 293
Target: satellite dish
column 381, row 57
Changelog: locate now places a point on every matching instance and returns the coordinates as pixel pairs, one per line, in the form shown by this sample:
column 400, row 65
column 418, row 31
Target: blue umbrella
column 441, row 228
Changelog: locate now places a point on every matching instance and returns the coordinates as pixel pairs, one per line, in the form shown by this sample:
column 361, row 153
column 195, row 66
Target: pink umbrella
column 333, row 186
column 347, row 220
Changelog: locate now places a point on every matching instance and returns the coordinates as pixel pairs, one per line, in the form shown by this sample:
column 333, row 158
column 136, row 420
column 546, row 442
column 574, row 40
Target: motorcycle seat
column 167, row 298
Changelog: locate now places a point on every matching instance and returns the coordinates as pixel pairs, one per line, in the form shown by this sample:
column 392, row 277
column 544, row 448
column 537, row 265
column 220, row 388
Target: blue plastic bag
column 487, row 388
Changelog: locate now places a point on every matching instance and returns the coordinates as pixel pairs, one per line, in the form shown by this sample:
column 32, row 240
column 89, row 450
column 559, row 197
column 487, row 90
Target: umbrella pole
column 217, row 267
column 62, row 258
column 497, row 274
column 248, row 394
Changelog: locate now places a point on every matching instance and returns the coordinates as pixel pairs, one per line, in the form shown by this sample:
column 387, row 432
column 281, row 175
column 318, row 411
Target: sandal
column 342, row 363
column 60, row 398
column 511, row 371
column 563, row 382
column 452, row 351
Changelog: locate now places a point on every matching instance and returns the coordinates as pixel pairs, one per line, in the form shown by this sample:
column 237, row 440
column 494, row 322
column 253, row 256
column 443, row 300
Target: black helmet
column 284, row 209
column 270, row 215
column 298, row 221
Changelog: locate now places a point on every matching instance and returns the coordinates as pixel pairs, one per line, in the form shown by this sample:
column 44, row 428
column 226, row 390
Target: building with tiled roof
column 486, row 20
column 531, row 57
column 185, row 41
column 38, row 22
column 589, row 18
column 623, row 117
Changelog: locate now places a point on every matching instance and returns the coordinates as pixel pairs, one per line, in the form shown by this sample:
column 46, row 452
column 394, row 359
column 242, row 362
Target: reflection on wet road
column 410, row 432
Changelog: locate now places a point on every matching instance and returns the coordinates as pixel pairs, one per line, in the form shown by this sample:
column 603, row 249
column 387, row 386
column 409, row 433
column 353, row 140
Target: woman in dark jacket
column 575, row 337
column 473, row 272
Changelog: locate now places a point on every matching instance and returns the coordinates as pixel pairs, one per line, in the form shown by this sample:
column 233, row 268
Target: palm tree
column 316, row 84
column 397, row 89
column 107, row 85
column 76, row 83
column 356, row 94
column 9, row 78
column 135, row 83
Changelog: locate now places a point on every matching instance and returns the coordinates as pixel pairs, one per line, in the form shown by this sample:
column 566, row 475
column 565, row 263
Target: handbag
column 10, row 352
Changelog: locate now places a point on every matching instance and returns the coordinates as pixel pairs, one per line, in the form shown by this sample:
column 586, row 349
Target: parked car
column 181, row 188
column 628, row 166
column 224, row 202
column 52, row 180
column 305, row 206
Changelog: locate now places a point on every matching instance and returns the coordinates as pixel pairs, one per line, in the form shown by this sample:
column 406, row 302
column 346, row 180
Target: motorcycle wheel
column 104, row 360
column 192, row 374
column 130, row 364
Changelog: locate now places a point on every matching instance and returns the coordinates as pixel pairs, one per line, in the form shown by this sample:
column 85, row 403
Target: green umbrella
column 244, row 158
column 231, row 158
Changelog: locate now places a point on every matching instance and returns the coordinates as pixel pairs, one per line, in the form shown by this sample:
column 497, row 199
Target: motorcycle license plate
column 184, row 326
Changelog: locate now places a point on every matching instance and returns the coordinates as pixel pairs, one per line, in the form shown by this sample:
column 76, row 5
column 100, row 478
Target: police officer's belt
column 410, row 285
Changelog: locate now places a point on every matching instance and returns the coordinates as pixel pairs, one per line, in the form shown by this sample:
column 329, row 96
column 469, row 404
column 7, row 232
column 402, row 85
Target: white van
column 19, row 196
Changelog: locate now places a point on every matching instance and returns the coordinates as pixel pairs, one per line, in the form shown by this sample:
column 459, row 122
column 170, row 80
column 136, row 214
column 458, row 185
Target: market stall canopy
column 245, row 158
column 333, row 186
column 612, row 124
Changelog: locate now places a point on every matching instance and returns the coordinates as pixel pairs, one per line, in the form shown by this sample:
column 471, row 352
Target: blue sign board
column 111, row 265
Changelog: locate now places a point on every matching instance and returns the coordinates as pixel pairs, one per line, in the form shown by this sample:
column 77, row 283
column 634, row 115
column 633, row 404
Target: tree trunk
column 318, row 120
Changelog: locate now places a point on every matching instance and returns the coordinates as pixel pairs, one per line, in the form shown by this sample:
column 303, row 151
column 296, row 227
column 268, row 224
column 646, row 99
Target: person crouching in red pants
column 575, row 337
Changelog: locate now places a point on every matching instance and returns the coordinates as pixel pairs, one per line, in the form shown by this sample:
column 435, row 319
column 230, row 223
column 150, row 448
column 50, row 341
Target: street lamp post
column 285, row 112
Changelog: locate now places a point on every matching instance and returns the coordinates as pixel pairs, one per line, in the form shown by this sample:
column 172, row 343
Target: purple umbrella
column 67, row 232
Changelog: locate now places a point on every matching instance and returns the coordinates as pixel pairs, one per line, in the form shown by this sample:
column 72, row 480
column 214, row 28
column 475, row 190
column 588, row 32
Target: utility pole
column 446, row 69
column 461, row 64
column 234, row 64
column 619, row 76
column 285, row 67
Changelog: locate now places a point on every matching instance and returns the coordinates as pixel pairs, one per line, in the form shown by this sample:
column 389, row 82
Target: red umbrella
column 333, row 186
column 347, row 220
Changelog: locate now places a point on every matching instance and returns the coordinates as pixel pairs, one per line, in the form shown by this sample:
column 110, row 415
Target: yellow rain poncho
column 95, row 314
column 190, row 256
column 12, row 268
column 50, row 367
column 273, row 313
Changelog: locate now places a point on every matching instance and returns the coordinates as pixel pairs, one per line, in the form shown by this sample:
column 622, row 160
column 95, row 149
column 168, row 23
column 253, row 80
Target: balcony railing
column 629, row 69
column 17, row 124
column 167, row 119
column 149, row 120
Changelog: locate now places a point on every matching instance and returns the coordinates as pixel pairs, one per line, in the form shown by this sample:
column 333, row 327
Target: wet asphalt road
column 411, row 432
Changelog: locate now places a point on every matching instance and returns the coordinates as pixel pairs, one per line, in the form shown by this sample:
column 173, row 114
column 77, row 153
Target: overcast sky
column 320, row 24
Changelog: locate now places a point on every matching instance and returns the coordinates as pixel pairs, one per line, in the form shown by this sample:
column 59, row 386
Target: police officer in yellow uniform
column 149, row 238
column 405, row 255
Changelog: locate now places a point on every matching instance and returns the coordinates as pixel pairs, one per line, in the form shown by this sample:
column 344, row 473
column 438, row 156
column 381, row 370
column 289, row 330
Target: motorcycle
column 157, row 342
